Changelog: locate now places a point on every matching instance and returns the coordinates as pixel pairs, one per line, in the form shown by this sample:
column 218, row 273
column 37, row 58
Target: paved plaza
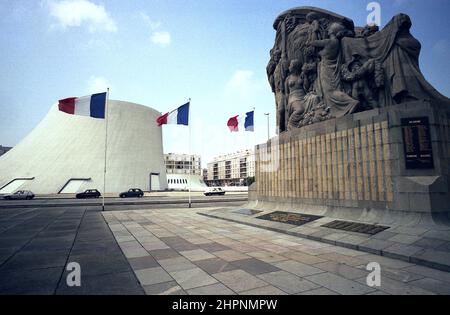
column 177, row 251
column 182, row 252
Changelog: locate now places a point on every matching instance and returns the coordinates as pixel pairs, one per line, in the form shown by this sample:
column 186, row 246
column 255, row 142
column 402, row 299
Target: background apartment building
column 180, row 164
column 231, row 169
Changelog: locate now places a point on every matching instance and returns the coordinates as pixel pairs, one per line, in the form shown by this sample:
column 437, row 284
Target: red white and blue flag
column 179, row 116
column 247, row 124
column 92, row 105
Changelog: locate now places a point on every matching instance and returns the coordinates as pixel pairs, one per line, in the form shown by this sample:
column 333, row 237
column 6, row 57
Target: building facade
column 231, row 169
column 66, row 153
column 181, row 163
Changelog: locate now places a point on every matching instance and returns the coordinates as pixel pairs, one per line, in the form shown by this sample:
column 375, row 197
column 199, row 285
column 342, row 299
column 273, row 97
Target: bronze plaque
column 417, row 143
column 289, row 217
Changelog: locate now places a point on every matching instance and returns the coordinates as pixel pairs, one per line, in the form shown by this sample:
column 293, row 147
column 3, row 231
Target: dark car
column 20, row 195
column 133, row 192
column 90, row 193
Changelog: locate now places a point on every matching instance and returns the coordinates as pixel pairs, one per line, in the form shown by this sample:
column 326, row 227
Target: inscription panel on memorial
column 417, row 143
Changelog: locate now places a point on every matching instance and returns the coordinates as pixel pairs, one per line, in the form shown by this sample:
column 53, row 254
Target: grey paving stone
column 230, row 255
column 432, row 285
column 192, row 278
column 303, row 257
column 268, row 290
column 433, row 258
column 178, row 243
column 445, row 247
column 37, row 281
column 404, row 239
column 197, row 254
column 384, row 261
column 401, row 251
column 36, row 259
column 143, row 262
column 287, row 282
column 319, row 291
column 239, row 280
column 176, row 264
column 430, row 273
column 441, row 235
column 99, row 264
column 254, row 266
column 351, row 261
column 124, row 283
column 400, row 274
column 298, row 268
column 343, row 270
column 432, row 243
column 213, row 247
column 267, row 257
column 164, row 253
column 152, row 276
column 135, row 252
column 384, row 235
column 165, row 288
column 215, row 265
column 213, row 289
column 339, row 284
column 375, row 246
column 395, row 287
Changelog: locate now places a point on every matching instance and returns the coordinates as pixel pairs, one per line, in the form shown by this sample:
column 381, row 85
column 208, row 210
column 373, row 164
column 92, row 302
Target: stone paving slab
column 428, row 246
column 37, row 244
column 204, row 257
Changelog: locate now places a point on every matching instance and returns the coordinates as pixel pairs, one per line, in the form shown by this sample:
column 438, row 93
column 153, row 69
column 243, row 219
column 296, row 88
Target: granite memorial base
column 383, row 165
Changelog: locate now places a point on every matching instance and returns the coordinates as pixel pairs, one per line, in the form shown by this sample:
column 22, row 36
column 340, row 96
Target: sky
column 160, row 53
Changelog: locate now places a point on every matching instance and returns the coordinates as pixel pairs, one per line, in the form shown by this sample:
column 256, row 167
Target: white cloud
column 153, row 24
column 97, row 84
column 161, row 38
column 158, row 37
column 77, row 13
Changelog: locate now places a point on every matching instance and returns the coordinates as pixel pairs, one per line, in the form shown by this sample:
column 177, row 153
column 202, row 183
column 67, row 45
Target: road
column 128, row 203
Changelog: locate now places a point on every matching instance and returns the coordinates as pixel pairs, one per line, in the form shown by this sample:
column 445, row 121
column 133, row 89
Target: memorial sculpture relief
column 322, row 67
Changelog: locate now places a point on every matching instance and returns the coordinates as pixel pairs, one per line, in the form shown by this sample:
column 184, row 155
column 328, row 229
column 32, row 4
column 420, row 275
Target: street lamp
column 268, row 131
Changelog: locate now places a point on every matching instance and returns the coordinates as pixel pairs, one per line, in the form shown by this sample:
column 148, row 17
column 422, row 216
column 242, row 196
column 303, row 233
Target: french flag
column 179, row 116
column 236, row 121
column 92, row 105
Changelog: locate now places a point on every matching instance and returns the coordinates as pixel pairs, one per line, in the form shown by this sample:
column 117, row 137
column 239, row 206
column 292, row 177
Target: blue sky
column 162, row 52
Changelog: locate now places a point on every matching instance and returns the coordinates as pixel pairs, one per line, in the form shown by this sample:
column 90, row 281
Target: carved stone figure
column 336, row 69
column 328, row 83
column 360, row 75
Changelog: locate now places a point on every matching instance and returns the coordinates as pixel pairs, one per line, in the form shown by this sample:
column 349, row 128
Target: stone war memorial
column 362, row 155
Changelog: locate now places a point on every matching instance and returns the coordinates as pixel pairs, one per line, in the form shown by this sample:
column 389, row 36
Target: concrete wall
column 66, row 146
column 357, row 162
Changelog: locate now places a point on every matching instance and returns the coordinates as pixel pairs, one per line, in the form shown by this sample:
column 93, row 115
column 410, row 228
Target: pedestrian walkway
column 36, row 245
column 182, row 252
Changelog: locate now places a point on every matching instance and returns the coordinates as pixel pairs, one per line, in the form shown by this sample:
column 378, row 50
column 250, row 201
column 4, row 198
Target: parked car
column 132, row 192
column 20, row 195
column 214, row 191
column 90, row 193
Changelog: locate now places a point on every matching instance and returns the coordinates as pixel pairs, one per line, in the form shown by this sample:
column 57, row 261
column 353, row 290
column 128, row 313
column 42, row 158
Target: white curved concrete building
column 181, row 182
column 65, row 153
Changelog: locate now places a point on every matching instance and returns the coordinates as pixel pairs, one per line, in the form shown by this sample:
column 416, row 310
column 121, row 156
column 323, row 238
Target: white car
column 214, row 191
column 20, row 194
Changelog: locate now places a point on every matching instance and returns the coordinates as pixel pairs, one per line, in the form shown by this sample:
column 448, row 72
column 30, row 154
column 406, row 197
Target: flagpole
column 106, row 148
column 190, row 157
